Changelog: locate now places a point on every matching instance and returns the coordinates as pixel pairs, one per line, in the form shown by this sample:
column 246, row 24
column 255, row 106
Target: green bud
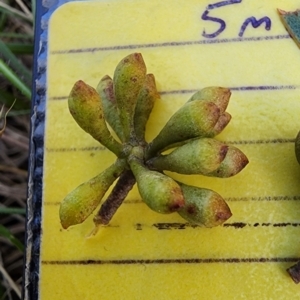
column 200, row 156
column 234, row 161
column 160, row 192
column 192, row 120
column 105, row 89
column 83, row 200
column 128, row 80
column 86, row 108
column 203, row 207
column 218, row 95
column 218, row 128
column 147, row 96
column 297, row 147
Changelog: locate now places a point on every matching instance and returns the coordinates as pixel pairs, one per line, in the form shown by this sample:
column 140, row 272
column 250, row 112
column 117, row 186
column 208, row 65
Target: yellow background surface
column 142, row 254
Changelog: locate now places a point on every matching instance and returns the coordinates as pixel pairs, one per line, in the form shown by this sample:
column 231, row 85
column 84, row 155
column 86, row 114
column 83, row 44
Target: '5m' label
column 222, row 24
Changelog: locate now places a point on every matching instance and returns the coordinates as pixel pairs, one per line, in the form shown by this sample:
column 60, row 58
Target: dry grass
column 14, row 148
column 13, row 184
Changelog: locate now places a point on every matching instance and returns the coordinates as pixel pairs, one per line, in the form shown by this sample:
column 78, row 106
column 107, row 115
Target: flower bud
column 200, row 156
column 203, row 207
column 192, row 120
column 86, row 108
column 218, row 95
column 234, row 161
column 147, row 96
column 83, row 200
column 221, row 124
column 128, row 80
column 160, row 192
column 105, row 89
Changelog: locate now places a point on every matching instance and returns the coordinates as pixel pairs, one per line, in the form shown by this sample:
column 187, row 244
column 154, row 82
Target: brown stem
column 115, row 199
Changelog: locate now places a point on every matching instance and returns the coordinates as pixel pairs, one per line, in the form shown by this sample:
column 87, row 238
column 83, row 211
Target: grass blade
column 14, row 35
column 10, row 10
column 13, row 78
column 7, row 55
column 12, row 210
column 10, row 281
column 6, row 233
column 20, row 48
column 33, row 9
column 24, row 8
column 7, row 99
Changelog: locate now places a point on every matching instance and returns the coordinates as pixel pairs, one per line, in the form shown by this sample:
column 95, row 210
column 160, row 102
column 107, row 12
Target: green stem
column 11, row 76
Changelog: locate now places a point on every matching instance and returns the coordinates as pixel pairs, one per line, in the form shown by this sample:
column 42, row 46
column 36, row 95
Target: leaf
column 3, row 116
column 6, row 233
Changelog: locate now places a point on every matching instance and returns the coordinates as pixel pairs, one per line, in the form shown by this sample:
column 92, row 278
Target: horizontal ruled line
column 267, row 224
column 232, row 260
column 58, row 98
column 183, row 226
column 229, row 199
column 265, row 198
column 242, row 142
column 236, row 88
column 235, row 225
column 236, row 199
column 75, row 149
column 172, row 44
column 269, row 141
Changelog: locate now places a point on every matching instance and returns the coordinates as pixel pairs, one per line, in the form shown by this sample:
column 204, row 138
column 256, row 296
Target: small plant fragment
column 297, row 147
column 3, row 116
column 294, row 272
column 125, row 102
column 291, row 21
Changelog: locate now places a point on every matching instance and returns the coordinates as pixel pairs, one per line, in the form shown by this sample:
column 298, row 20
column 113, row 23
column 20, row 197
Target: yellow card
column 187, row 45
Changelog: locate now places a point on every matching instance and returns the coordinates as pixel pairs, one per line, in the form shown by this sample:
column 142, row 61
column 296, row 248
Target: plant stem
column 115, row 199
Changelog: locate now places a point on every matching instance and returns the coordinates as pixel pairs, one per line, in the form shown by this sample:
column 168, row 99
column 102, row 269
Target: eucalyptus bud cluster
column 125, row 102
